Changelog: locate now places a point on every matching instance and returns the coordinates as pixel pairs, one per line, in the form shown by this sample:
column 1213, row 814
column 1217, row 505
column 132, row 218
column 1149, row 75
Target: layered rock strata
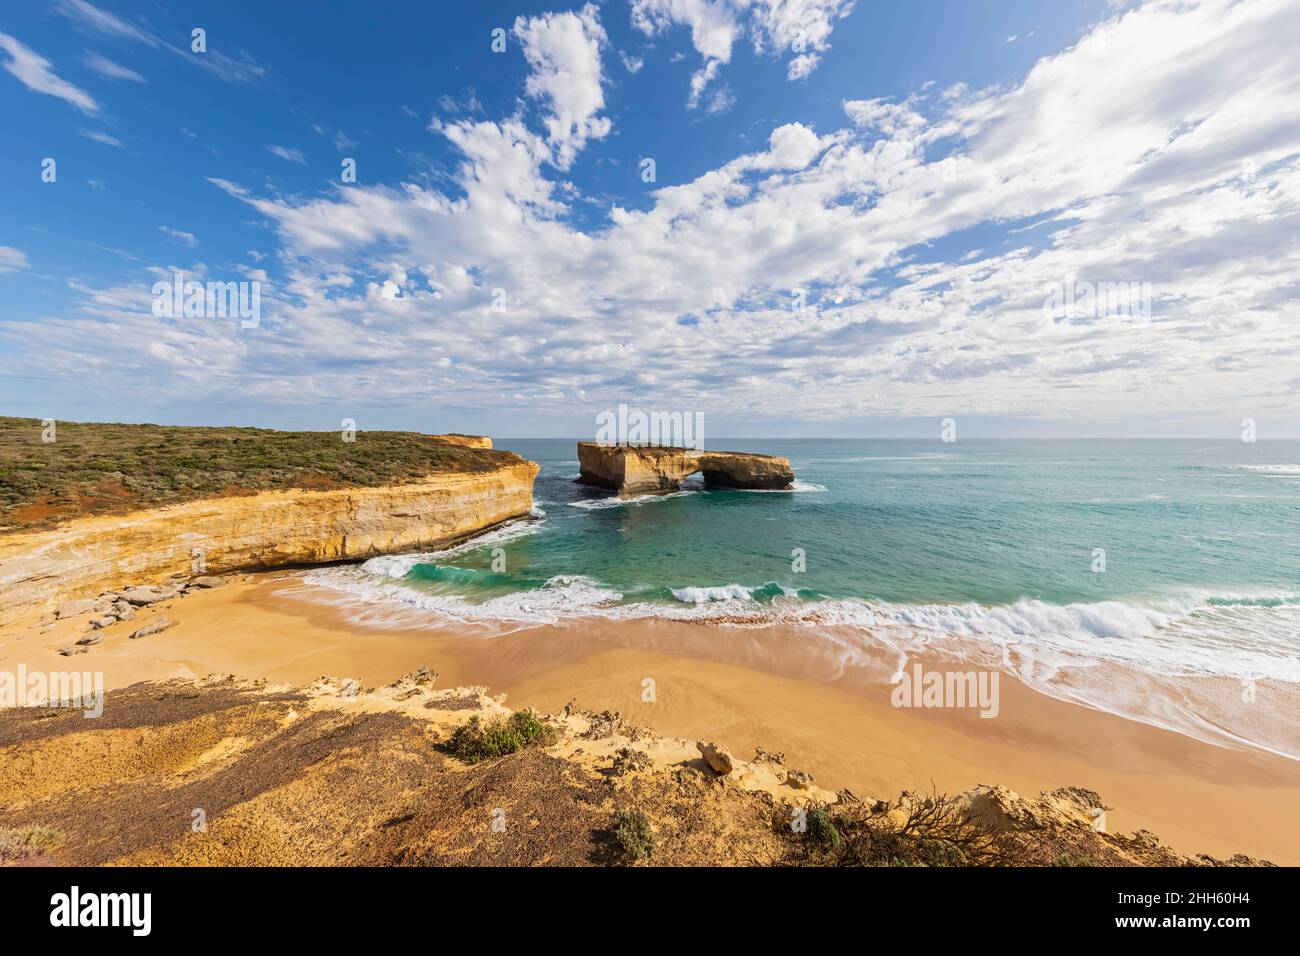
column 639, row 470
column 86, row 557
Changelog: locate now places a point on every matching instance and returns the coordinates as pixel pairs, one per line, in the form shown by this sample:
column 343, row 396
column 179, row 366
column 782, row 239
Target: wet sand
column 778, row 688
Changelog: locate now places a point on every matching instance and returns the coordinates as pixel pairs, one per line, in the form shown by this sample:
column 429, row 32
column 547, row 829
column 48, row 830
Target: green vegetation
column 19, row 844
column 633, row 834
column 822, row 829
column 477, row 740
column 104, row 469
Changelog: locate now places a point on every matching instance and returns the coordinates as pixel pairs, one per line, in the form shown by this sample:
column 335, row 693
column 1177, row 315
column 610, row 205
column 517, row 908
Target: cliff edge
column 106, row 504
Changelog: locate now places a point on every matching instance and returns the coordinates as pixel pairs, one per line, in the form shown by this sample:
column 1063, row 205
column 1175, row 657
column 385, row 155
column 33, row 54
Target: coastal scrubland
column 231, row 772
column 95, row 469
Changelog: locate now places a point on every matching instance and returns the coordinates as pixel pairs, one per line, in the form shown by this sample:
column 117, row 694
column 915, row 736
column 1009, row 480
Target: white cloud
column 714, row 28
column 801, row 28
column 287, row 153
column 188, row 238
column 564, row 56
column 12, row 260
column 802, row 65
column 238, row 68
column 115, row 71
column 101, row 137
column 796, row 25
column 36, row 73
column 793, row 146
column 1164, row 147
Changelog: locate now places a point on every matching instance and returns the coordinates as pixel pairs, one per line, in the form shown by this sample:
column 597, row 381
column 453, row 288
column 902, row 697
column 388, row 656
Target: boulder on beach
column 143, row 596
column 153, row 627
column 74, row 608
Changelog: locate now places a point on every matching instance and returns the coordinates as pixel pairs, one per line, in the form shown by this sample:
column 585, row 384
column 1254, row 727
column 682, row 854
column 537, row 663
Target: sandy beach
column 743, row 687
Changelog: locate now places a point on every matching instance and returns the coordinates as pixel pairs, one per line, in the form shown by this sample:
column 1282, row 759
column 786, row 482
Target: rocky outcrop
column 86, row 557
column 467, row 441
column 640, row 470
column 359, row 779
column 718, row 758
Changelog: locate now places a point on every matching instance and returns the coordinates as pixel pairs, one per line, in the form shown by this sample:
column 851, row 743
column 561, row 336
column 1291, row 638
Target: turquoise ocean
column 1155, row 579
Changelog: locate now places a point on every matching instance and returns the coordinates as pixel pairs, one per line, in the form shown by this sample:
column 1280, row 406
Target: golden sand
column 743, row 688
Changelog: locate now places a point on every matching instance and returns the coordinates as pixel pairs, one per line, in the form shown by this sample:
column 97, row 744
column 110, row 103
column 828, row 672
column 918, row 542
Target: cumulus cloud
column 714, row 28
column 564, row 56
column 37, row 74
column 801, row 28
column 1163, row 148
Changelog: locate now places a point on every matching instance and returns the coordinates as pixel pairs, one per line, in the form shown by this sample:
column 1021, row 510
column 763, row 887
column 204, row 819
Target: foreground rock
column 640, row 470
column 156, row 626
column 308, row 777
column 718, row 758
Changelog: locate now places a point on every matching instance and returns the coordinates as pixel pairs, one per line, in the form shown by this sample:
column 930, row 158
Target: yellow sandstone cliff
column 643, row 469
column 467, row 441
column 88, row 556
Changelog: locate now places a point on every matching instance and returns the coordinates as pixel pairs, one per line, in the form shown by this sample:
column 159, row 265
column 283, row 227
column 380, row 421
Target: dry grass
column 25, row 842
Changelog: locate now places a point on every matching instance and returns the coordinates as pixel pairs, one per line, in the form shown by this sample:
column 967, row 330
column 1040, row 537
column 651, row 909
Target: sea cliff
column 639, row 470
column 78, row 526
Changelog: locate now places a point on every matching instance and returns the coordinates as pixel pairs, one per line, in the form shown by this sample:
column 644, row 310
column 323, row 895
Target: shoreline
column 745, row 688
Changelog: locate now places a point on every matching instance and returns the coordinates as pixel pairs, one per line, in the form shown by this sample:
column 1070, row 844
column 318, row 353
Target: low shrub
column 485, row 740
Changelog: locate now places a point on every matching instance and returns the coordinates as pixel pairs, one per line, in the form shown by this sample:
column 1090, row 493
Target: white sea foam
column 1243, row 637
column 614, row 501
column 1289, row 471
column 702, row 595
column 1142, row 662
column 563, row 596
column 399, row 565
column 796, row 485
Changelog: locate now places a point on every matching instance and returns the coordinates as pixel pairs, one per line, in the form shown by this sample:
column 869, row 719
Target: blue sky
column 922, row 177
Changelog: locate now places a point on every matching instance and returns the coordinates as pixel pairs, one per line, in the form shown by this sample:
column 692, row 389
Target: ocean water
column 986, row 550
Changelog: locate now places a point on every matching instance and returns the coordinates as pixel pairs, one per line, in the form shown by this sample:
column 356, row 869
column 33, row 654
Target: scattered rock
column 604, row 724
column 769, row 756
column 73, row 608
column 90, row 639
column 627, row 760
column 209, row 581
column 141, row 597
column 716, row 757
column 98, row 622
column 67, row 650
column 153, row 627
column 798, row 779
column 123, row 610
